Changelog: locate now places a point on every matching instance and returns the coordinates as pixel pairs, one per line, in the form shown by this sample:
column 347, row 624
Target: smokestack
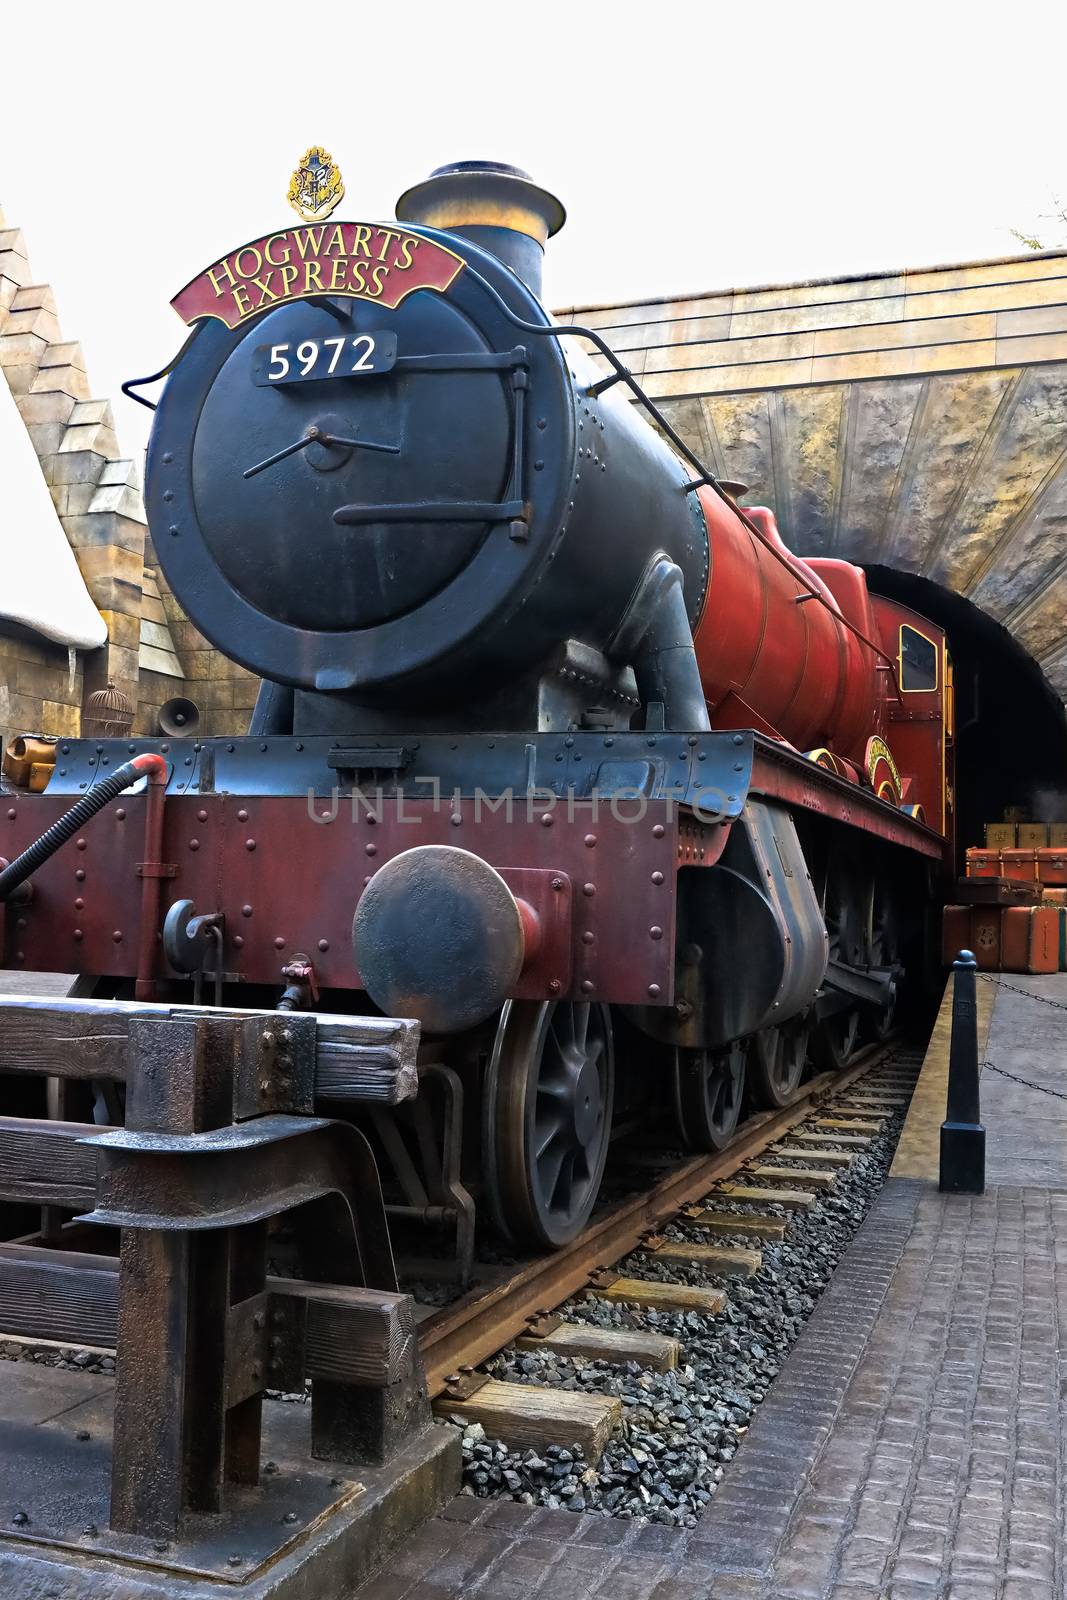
column 496, row 206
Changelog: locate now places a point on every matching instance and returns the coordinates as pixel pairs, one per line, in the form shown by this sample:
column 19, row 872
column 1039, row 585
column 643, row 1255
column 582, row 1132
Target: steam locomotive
column 558, row 749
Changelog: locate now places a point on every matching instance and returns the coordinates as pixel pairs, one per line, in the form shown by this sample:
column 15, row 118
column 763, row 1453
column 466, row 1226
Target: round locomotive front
column 379, row 500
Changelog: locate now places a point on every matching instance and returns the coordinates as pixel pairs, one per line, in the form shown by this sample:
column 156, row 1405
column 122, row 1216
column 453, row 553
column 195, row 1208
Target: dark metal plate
column 60, row 1480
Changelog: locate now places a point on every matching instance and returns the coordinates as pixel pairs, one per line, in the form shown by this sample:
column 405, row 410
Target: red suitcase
column 1019, row 864
column 1052, row 866
column 983, row 863
column 1030, row 939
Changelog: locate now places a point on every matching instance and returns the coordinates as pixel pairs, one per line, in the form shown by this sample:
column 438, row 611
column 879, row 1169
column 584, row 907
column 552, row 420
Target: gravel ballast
column 682, row 1428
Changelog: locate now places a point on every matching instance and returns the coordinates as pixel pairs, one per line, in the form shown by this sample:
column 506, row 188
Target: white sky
column 694, row 146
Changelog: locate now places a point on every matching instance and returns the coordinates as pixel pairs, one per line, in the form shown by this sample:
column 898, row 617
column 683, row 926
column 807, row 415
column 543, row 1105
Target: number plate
column 354, row 355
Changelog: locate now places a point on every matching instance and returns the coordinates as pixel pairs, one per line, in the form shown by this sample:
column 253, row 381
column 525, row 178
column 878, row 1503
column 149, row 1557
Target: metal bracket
column 542, row 1324
column 464, row 1383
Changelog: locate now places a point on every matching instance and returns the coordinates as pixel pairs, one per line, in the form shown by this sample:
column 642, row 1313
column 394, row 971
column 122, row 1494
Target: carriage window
column 918, row 660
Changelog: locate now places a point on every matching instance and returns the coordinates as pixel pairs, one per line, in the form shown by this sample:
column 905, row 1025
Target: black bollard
column 962, row 1133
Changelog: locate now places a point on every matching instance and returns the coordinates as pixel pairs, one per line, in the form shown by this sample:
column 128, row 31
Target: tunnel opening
column 1011, row 727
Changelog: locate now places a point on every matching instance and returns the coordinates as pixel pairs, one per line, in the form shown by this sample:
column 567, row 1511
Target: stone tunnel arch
column 1011, row 726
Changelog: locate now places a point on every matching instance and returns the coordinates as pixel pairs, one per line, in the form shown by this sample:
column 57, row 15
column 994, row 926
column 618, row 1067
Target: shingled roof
column 72, row 522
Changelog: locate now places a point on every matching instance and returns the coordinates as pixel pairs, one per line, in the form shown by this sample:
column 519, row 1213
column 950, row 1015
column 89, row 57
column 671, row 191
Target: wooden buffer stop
column 222, row 1133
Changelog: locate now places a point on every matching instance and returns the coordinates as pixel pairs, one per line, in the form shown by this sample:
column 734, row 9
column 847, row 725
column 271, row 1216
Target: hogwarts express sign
column 358, row 260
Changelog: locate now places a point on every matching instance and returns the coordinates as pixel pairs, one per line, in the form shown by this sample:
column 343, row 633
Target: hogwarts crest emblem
column 316, row 186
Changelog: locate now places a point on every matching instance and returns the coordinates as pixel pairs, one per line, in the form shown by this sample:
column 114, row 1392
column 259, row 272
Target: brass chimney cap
column 482, row 194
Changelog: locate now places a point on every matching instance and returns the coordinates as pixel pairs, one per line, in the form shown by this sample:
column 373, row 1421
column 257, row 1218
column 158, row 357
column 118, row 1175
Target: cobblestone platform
column 913, row 1446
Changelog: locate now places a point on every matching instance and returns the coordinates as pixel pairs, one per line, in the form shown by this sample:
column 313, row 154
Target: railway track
column 833, row 1117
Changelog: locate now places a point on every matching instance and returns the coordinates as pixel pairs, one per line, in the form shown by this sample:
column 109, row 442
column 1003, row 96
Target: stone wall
column 96, row 492
column 916, row 419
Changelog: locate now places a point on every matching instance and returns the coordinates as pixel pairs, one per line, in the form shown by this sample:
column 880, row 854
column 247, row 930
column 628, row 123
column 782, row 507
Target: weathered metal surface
column 307, row 1528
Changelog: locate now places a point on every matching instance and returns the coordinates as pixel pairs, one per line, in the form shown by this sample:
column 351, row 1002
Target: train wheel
column 834, row 1038
column 776, row 1064
column 885, row 952
column 710, row 1086
column 548, row 1101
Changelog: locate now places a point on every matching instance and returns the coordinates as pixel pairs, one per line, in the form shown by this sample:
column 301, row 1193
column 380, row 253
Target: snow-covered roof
column 40, row 584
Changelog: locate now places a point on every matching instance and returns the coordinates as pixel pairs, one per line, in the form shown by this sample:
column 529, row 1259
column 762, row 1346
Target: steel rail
column 486, row 1320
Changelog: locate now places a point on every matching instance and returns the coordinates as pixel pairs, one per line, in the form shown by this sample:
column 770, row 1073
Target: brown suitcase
column 974, row 928
column 1053, row 897
column 1018, row 864
column 983, row 863
column 1033, row 836
column 1052, row 866
column 1057, row 835
column 998, row 892
column 1001, row 835
column 1030, row 939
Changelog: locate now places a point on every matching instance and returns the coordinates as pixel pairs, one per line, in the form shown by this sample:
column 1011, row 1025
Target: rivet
column 168, row 494
column 557, row 884
column 657, row 877
column 246, row 911
column 78, row 936
column 270, row 1466
column 82, row 1434
column 370, row 849
column 542, row 423
column 242, row 815
column 657, row 831
column 555, row 986
column 366, row 881
column 539, row 466
column 168, row 457
column 250, row 844
column 546, row 819
column 21, row 922
column 117, row 936
column 290, row 1516
column 655, row 932
column 173, row 530
column 738, row 739
column 79, row 904
column 20, row 956
column 120, row 814
column 165, row 748
column 588, row 889
column 80, row 844
column 654, row 991
column 587, row 986
column 90, row 1530
column 238, row 941
column 194, row 844
column 12, row 815
column 279, row 943
column 20, row 1519
column 324, row 944
column 456, row 819
column 590, row 840
column 235, row 1560
column 201, row 816
column 159, row 1545
column 588, row 936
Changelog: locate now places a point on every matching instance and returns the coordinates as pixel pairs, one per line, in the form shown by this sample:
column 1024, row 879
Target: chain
column 987, row 977
column 1026, row 1082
